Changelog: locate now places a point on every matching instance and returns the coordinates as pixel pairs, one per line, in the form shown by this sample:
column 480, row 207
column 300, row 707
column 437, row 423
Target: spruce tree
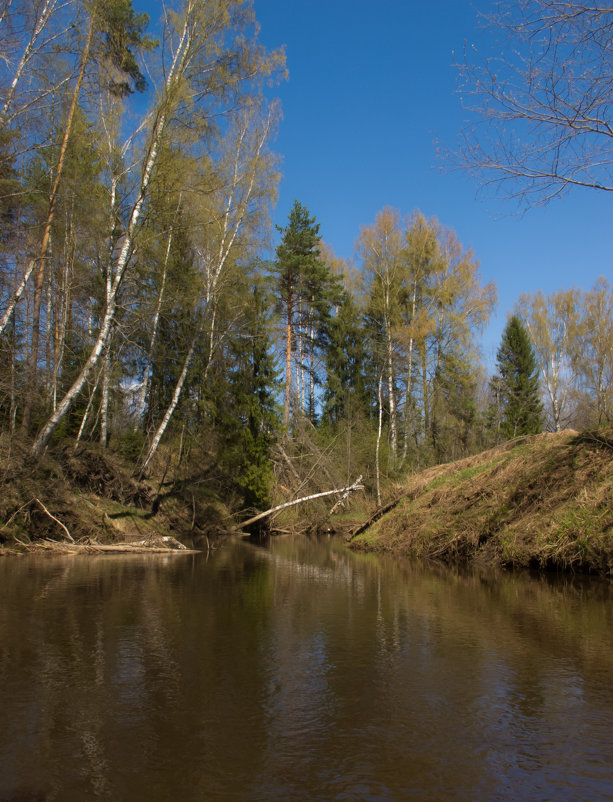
column 248, row 416
column 521, row 410
column 345, row 392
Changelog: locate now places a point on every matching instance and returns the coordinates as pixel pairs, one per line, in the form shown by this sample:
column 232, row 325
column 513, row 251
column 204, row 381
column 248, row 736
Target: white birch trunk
column 212, row 273
column 65, row 404
column 85, row 417
column 142, row 396
column 390, row 382
column 172, row 406
column 379, row 430
column 43, row 18
column 104, row 400
column 17, row 295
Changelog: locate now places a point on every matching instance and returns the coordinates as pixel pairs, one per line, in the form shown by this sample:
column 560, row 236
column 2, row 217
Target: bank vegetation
column 540, row 501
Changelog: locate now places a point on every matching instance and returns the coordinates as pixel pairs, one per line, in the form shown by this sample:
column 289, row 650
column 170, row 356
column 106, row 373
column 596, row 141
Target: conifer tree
column 249, row 419
column 345, row 391
column 520, row 405
column 307, row 290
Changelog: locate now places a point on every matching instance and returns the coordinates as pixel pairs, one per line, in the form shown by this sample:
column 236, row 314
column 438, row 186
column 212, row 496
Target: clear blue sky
column 371, row 91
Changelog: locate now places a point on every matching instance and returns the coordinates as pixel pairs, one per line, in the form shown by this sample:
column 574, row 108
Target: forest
column 148, row 308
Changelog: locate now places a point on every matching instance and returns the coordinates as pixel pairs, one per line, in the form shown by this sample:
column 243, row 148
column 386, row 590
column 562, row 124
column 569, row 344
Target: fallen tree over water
column 343, row 492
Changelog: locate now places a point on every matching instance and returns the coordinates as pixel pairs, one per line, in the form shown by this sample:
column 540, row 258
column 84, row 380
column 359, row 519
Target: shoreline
column 540, row 502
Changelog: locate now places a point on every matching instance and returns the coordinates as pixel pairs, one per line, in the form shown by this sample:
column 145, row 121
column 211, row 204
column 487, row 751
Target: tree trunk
column 40, row 273
column 43, row 18
column 390, row 376
column 407, row 397
column 159, row 126
column 288, row 360
column 153, row 339
column 172, row 406
column 344, row 491
column 379, row 430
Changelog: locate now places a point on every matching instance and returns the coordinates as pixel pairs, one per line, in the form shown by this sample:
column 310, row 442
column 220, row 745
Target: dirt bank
column 541, row 501
column 90, row 498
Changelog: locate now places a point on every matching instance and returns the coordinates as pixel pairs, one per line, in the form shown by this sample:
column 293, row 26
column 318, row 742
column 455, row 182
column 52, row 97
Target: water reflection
column 300, row 671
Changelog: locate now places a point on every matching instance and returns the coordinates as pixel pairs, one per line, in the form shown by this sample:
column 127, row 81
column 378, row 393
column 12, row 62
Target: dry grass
column 541, row 501
column 90, row 496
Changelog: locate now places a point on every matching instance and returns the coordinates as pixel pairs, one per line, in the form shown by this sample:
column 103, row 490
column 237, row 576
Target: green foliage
column 129, row 444
column 345, row 358
column 248, row 418
column 123, row 31
column 521, row 410
column 307, row 291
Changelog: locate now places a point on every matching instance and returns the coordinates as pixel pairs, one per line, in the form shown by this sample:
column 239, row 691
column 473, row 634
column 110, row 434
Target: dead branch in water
column 342, row 490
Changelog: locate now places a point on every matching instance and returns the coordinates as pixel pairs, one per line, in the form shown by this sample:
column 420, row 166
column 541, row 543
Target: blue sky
column 371, row 93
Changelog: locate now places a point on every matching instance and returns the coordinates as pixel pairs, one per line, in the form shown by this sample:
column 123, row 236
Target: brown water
column 300, row 671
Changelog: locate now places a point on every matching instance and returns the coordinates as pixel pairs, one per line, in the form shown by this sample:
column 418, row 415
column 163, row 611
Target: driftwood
column 343, row 491
column 97, row 548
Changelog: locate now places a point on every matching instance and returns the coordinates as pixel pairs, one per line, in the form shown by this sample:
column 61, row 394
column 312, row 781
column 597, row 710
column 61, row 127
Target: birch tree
column 30, row 31
column 379, row 246
column 210, row 67
column 593, row 352
column 236, row 203
column 115, row 23
column 552, row 323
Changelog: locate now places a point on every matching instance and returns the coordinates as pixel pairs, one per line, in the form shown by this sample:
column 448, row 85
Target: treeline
column 141, row 304
column 572, row 335
column 136, row 180
column 389, row 349
column 393, row 346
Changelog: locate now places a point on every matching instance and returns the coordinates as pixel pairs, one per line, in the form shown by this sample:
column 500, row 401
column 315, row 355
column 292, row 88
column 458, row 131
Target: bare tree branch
column 541, row 118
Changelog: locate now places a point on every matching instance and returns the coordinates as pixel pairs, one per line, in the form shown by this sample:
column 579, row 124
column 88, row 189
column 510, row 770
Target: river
column 300, row 671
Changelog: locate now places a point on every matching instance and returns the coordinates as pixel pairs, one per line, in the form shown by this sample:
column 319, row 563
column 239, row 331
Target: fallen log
column 378, row 513
column 342, row 491
column 343, row 498
column 62, row 547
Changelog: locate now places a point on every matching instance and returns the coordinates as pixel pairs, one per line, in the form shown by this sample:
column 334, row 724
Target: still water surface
column 300, row 671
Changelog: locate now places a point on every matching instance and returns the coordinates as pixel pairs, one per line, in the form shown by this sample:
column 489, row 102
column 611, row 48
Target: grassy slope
column 540, row 501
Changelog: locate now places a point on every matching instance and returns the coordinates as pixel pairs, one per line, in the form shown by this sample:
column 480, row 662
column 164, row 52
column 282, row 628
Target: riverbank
column 544, row 501
column 89, row 500
column 541, row 501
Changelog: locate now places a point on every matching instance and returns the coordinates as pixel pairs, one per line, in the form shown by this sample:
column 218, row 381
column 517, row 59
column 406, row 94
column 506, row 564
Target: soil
column 87, row 500
column 541, row 501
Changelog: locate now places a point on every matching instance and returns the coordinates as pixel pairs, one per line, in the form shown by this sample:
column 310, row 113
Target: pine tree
column 307, row 290
column 521, row 407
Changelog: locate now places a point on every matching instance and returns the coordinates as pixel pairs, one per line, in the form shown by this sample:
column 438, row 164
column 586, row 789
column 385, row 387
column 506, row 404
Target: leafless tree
column 540, row 104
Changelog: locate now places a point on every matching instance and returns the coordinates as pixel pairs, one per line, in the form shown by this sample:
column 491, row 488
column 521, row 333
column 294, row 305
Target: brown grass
column 91, row 496
column 539, row 501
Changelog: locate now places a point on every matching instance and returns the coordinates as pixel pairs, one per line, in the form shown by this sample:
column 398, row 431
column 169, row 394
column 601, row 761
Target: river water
column 300, row 671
